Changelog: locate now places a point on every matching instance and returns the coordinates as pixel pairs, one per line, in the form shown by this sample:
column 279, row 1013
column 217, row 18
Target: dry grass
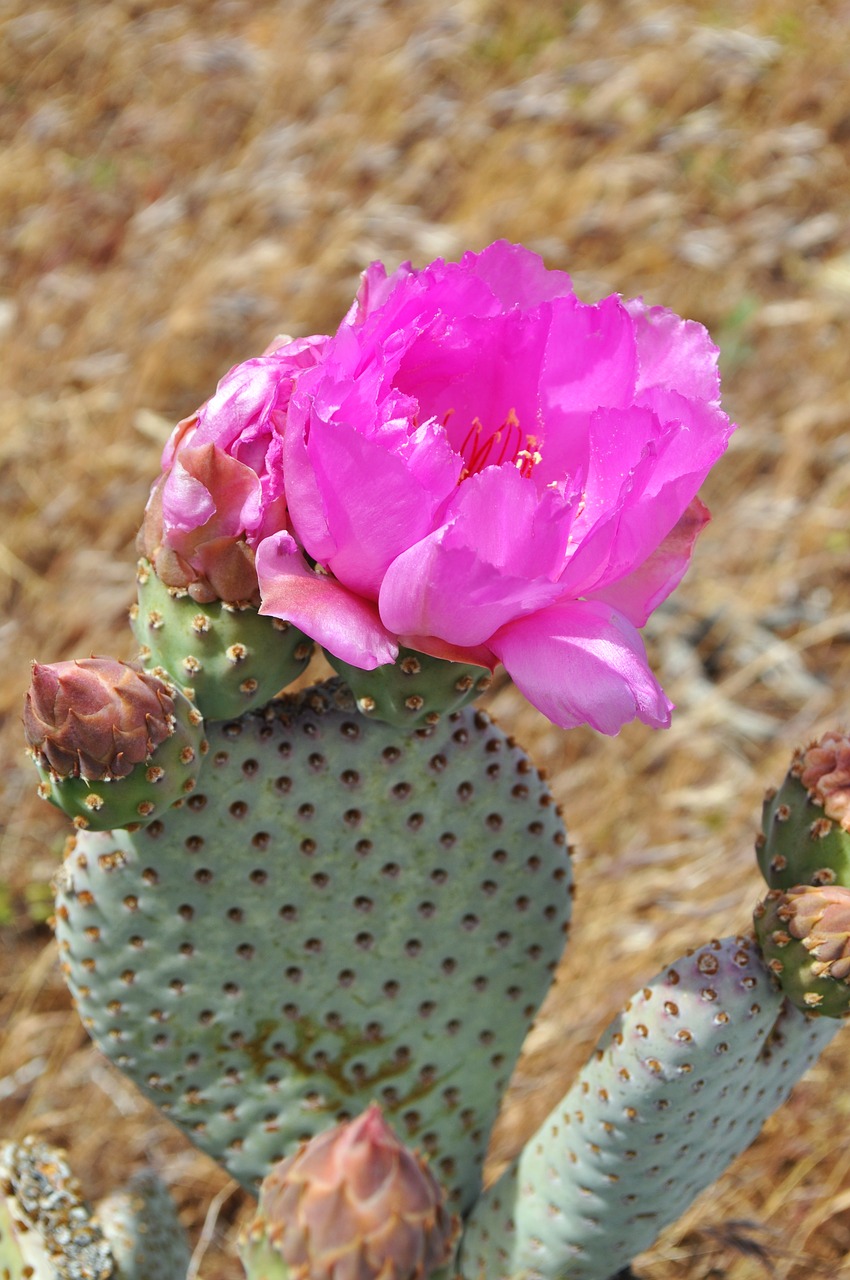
column 180, row 181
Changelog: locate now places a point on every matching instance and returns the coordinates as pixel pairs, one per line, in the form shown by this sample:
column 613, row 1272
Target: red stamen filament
column 504, row 445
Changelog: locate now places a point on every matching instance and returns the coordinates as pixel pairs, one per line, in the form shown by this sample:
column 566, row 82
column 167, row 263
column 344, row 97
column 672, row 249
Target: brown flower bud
column 95, row 718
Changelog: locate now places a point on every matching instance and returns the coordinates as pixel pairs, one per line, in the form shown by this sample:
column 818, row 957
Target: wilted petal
column 583, row 662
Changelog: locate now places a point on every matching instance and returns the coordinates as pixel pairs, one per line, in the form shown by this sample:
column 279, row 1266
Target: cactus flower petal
column 343, row 621
column 583, row 662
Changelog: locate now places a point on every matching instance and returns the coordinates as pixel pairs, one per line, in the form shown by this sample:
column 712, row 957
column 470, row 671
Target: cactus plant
column 805, row 836
column 342, row 923
column 680, row 1083
column 414, row 690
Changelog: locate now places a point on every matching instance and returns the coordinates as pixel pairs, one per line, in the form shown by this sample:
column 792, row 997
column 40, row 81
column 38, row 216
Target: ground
column 179, row 182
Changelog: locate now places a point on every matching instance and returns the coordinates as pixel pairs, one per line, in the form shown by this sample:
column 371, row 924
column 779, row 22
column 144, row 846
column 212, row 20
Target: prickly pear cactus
column 804, row 936
column 680, row 1083
column 340, row 913
column 229, row 657
column 48, row 1232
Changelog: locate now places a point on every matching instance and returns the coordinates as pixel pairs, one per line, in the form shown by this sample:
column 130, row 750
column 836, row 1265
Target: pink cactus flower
column 221, row 488
column 483, row 467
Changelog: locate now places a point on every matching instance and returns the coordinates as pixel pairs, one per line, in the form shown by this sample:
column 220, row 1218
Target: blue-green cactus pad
column 679, row 1084
column 341, row 913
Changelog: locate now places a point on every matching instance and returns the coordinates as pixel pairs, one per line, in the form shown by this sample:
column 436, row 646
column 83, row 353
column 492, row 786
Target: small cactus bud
column 804, row 934
column 95, row 718
column 114, row 745
column 352, row 1204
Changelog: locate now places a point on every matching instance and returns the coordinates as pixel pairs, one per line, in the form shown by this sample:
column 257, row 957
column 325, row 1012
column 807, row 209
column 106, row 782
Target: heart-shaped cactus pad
column 341, row 913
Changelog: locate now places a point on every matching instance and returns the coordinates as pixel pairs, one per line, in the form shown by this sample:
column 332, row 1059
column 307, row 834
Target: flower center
column 507, row 443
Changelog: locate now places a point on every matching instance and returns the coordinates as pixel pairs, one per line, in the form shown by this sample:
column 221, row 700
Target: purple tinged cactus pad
column 415, row 690
column 229, row 657
column 805, row 836
column 678, row 1086
column 340, row 914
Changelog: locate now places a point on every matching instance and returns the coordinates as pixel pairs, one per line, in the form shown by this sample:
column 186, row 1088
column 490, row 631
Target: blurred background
column 181, row 181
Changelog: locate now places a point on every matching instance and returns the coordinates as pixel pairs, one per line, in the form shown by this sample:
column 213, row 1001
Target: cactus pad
column 415, row 690
column 231, row 658
column 680, row 1083
column 339, row 914
column 141, row 1226
column 805, row 837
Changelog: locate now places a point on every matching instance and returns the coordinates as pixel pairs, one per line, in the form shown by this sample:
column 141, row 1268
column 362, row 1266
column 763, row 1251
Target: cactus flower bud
column 804, row 935
column 352, row 1204
column 114, row 745
column 95, row 718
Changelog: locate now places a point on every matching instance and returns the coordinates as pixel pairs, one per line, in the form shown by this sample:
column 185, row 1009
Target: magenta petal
column 498, row 556
column 674, row 353
column 651, row 582
column 374, row 503
column 583, row 663
column 343, row 623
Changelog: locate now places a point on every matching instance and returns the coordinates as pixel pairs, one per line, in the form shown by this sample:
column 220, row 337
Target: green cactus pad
column 415, row 690
column 341, row 913
column 799, row 842
column 46, row 1230
column 165, row 778
column 680, row 1083
column 141, row 1226
column 230, row 657
column 809, row 956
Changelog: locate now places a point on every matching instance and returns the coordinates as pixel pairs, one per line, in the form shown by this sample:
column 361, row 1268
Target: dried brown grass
column 180, row 181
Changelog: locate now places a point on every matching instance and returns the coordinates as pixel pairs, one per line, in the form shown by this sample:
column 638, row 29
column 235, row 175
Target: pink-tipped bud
column 95, row 718
column 353, row 1204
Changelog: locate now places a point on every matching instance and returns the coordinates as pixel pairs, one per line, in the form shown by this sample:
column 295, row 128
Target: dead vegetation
column 182, row 180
